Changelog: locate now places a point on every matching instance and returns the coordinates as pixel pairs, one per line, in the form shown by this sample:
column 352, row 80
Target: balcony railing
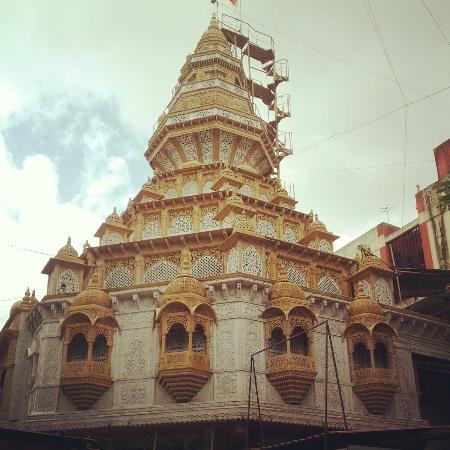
column 82, row 369
column 289, row 361
column 184, row 360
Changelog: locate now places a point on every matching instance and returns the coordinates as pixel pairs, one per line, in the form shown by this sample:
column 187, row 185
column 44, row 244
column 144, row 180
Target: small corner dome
column 93, row 295
column 317, row 225
column 185, row 284
column 114, row 218
column 363, row 304
column 25, row 304
column 67, row 251
column 283, row 288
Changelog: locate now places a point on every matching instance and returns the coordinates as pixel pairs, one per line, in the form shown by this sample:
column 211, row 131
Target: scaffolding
column 254, row 47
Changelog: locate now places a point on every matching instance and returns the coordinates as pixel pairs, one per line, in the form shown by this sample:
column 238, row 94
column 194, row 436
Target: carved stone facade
column 209, row 264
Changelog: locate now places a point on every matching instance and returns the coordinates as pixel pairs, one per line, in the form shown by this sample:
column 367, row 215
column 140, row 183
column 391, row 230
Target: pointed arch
column 161, row 271
column 327, row 284
column 67, row 282
column 119, row 277
column 207, row 266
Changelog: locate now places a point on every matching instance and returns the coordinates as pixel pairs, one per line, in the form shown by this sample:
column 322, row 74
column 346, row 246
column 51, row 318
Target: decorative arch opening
column 177, row 339
column 67, row 282
column 381, row 356
column 277, row 342
column 199, row 340
column 246, row 190
column 77, row 349
column 361, row 356
column 100, row 349
column 207, row 186
column 299, row 342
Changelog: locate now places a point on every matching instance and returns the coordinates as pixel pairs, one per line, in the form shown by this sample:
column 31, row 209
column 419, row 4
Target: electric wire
column 376, row 27
column 368, row 122
column 336, row 58
column 436, row 22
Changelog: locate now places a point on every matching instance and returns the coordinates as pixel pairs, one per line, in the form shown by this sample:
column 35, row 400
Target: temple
column 144, row 340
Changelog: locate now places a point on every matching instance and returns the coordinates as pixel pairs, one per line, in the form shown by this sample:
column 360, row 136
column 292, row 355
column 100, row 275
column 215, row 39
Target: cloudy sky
column 82, row 83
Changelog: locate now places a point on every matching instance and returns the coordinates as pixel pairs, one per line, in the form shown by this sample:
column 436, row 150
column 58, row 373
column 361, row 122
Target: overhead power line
column 364, row 124
column 436, row 23
column 334, row 57
column 26, row 249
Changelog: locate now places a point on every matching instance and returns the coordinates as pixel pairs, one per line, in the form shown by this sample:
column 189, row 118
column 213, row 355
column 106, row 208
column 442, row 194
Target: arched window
column 299, row 342
column 78, row 348
column 177, row 339
column 361, row 356
column 190, row 188
column 161, row 271
column 199, row 340
column 381, row 356
column 277, row 342
column 207, row 266
column 207, row 186
column 100, row 349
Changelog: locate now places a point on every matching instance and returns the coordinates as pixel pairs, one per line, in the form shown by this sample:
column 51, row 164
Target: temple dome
column 25, row 304
column 316, row 225
column 185, row 284
column 363, row 304
column 93, row 295
column 114, row 218
column 283, row 288
column 67, row 251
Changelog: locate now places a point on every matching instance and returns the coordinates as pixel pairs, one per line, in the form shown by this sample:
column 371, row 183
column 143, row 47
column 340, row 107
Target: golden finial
column 213, row 22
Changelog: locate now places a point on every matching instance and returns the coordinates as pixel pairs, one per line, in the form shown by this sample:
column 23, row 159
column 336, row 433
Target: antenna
column 386, row 210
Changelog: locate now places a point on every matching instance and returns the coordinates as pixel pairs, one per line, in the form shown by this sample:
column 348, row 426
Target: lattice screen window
column 100, row 349
column 233, row 260
column 266, row 228
column 114, row 238
column 170, row 193
column 327, row 284
column 177, row 339
column 207, row 186
column 290, row 235
column 190, row 188
column 263, row 165
column 243, row 148
column 296, row 277
column 189, row 147
column 207, row 266
column 161, row 271
column 324, row 246
column 383, row 292
column 207, row 148
column 199, row 340
column 181, row 223
column 77, row 350
column 366, row 288
column 263, row 197
column 67, row 282
column 257, row 155
column 152, row 228
column 163, row 161
column 251, row 261
column 226, row 140
column 312, row 244
column 208, row 223
column 226, row 223
column 173, row 152
column 119, row 277
column 246, row 190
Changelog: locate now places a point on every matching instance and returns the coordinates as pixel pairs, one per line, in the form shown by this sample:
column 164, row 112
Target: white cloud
column 32, row 217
